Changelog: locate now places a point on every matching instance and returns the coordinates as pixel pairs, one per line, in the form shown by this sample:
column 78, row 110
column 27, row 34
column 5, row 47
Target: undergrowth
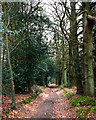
column 83, row 112
column 33, row 96
column 81, row 101
column 44, row 86
column 6, row 111
column 26, row 101
column 68, row 95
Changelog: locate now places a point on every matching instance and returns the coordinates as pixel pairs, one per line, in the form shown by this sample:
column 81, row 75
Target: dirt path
column 52, row 103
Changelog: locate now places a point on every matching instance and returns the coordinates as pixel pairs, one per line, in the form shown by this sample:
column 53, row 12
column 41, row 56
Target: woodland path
column 52, row 103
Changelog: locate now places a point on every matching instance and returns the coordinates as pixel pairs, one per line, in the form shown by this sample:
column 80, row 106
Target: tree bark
column 88, row 56
column 64, row 70
column 1, row 48
column 71, row 46
column 9, row 61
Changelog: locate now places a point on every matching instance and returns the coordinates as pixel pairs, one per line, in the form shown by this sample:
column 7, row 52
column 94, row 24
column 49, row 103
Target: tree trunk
column 64, row 74
column 78, row 72
column 74, row 66
column 9, row 62
column 71, row 46
column 1, row 46
column 64, row 71
column 88, row 57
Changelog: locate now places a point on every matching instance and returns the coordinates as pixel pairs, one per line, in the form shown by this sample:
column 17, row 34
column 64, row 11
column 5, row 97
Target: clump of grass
column 82, row 101
column 61, row 87
column 65, row 92
column 68, row 95
column 44, row 86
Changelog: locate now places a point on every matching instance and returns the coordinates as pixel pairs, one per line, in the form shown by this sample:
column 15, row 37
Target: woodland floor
column 52, row 103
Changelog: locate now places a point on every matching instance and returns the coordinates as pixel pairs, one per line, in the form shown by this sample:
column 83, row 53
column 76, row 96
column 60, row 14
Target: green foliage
column 68, row 95
column 6, row 111
column 65, row 92
column 81, row 101
column 29, row 49
column 82, row 113
column 40, row 91
column 93, row 109
column 28, row 100
column 61, row 87
column 33, row 96
column 44, row 86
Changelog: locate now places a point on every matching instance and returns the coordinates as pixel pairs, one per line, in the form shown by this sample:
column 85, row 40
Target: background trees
column 28, row 46
column 79, row 29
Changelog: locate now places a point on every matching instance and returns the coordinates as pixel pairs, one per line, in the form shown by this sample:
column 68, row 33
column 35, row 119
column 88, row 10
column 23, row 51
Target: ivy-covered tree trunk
column 88, row 57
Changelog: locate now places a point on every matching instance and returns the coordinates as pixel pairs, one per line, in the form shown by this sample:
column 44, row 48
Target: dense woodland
column 57, row 46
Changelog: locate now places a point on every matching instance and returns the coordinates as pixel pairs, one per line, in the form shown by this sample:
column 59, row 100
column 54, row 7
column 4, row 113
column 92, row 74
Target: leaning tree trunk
column 88, row 57
column 9, row 61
